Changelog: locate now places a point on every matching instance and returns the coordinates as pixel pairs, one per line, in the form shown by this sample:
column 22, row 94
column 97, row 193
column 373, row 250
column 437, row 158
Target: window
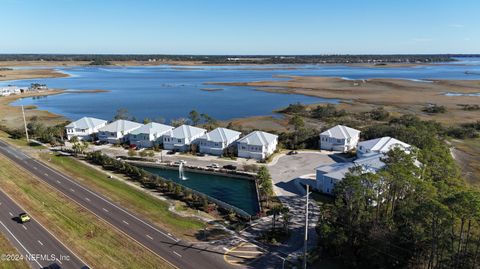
column 179, row 140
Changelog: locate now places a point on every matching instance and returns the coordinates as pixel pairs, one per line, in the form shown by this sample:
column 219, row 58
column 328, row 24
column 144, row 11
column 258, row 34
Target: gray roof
column 341, row 132
column 258, row 138
column 86, row 123
column 383, row 144
column 370, row 164
column 186, row 131
column 220, row 135
column 152, row 128
column 121, row 126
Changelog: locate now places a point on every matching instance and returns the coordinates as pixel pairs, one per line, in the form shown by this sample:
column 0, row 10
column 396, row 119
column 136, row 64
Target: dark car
column 171, row 152
column 230, row 167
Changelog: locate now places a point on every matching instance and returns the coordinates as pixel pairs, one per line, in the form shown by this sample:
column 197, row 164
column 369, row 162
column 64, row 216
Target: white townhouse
column 380, row 145
column 257, row 145
column 216, row 141
column 117, row 131
column 148, row 134
column 84, row 128
column 180, row 138
column 339, row 138
column 328, row 176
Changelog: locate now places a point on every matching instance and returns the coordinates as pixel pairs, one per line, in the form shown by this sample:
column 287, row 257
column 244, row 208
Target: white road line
column 149, row 237
column 24, row 227
column 86, row 198
column 105, row 200
column 45, row 174
column 40, row 242
column 10, row 232
column 58, row 181
column 35, row 168
column 104, row 209
column 10, row 214
column 125, row 222
column 72, row 190
column 177, row 254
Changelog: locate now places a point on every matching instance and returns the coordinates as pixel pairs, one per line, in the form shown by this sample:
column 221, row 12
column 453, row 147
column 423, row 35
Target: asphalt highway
column 174, row 251
column 35, row 244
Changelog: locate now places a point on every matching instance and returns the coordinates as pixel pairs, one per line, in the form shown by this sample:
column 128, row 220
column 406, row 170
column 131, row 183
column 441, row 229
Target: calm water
column 172, row 91
column 237, row 192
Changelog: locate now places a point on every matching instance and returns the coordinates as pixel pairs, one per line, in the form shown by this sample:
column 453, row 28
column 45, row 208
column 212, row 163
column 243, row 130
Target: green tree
column 122, row 114
column 194, row 117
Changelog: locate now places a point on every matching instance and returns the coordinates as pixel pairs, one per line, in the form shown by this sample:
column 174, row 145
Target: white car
column 214, row 165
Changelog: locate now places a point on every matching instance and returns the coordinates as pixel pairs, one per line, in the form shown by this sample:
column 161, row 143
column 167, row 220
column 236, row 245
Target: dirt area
column 467, row 154
column 16, row 74
column 398, row 96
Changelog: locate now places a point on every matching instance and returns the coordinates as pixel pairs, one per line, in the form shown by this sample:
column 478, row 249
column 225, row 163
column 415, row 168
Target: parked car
column 292, row 152
column 24, row 217
column 200, row 154
column 230, row 167
column 171, row 152
column 214, row 165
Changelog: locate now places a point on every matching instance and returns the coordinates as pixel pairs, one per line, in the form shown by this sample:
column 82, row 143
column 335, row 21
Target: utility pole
column 25, row 124
column 306, row 232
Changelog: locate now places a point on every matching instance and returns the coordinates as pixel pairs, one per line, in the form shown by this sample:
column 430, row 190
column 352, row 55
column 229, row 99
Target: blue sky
column 240, row 27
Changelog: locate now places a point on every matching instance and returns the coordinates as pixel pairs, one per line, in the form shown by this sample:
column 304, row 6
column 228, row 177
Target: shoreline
column 395, row 95
column 11, row 116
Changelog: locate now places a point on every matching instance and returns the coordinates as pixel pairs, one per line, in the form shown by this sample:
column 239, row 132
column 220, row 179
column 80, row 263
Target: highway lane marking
column 149, row 237
column 86, row 198
column 45, row 174
column 125, row 222
column 40, row 242
column 10, row 214
column 104, row 209
column 58, row 181
column 18, row 241
column 24, row 227
column 35, row 168
column 177, row 254
column 108, row 202
column 72, row 190
column 105, row 200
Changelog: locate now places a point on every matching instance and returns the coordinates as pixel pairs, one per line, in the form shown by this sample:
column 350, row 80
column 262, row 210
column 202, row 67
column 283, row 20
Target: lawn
column 127, row 196
column 93, row 240
column 7, row 249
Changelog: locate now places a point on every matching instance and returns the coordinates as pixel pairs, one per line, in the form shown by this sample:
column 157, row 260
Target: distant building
column 257, row 145
column 380, row 145
column 339, row 138
column 182, row 137
column 117, row 131
column 84, row 128
column 216, row 141
column 148, row 134
column 9, row 90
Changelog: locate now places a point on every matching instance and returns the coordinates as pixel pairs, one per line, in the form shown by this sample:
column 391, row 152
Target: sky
column 240, row 27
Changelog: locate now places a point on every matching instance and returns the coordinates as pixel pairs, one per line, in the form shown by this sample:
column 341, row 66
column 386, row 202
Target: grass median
column 93, row 240
column 7, row 249
column 127, row 196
